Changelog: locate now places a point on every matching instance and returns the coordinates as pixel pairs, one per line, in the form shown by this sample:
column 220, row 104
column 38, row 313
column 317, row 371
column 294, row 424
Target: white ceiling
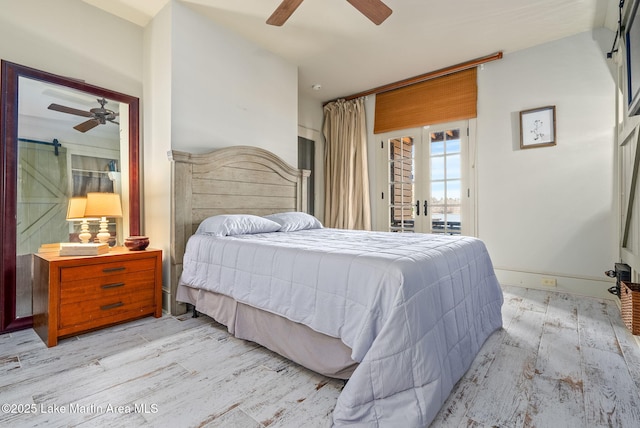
column 335, row 46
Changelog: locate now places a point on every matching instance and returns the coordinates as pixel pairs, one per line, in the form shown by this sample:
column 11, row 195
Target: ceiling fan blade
column 375, row 10
column 70, row 110
column 283, row 12
column 85, row 126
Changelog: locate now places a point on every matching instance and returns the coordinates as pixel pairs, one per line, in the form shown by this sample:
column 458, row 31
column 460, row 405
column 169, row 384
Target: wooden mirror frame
column 10, row 73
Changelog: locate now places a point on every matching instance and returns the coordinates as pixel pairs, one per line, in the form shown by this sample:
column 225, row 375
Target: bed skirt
column 323, row 354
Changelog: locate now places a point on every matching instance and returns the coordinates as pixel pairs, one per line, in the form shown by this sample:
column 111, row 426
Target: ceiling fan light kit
column 98, row 115
column 375, row 10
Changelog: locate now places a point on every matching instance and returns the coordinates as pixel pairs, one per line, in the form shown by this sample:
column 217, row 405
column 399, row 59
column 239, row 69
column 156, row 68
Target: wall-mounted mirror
column 60, row 138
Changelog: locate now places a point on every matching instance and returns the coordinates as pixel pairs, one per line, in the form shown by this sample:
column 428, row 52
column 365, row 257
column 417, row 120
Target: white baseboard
column 584, row 286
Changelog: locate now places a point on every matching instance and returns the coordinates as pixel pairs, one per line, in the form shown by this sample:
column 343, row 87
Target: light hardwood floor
column 559, row 361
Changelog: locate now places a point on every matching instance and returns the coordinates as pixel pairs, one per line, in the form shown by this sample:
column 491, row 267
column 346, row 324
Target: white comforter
column 414, row 308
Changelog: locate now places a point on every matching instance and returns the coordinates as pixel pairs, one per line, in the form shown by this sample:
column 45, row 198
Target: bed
column 402, row 316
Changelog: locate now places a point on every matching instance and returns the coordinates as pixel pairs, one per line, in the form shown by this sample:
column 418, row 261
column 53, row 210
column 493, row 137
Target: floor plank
column 502, row 400
column 560, row 360
column 554, row 400
column 611, row 397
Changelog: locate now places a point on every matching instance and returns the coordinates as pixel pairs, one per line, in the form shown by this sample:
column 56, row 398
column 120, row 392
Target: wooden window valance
column 443, row 99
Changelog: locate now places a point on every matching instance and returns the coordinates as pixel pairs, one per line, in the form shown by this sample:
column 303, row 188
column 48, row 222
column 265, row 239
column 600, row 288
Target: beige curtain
column 345, row 163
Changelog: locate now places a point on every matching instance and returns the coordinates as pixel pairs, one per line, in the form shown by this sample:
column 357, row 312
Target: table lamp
column 103, row 205
column 75, row 212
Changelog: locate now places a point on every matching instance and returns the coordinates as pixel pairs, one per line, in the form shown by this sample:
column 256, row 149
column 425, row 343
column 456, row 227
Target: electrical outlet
column 549, row 282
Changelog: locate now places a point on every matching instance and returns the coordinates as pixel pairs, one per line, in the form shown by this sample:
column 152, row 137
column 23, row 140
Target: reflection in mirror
column 69, row 143
column 61, row 138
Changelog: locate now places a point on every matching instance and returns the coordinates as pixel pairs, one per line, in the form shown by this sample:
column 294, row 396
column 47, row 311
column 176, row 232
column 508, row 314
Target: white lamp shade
column 75, row 210
column 103, row 205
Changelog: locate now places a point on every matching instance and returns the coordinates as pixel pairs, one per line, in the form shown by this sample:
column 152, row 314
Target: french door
column 428, row 182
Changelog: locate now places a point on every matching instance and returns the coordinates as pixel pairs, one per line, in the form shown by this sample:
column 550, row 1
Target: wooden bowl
column 136, row 243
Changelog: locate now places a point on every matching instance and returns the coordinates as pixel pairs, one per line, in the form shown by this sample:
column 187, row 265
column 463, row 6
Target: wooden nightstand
column 81, row 293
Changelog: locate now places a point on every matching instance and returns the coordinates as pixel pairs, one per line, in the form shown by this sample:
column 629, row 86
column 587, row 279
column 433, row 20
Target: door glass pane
column 401, row 184
column 453, row 192
column 453, row 142
column 446, row 167
column 437, row 193
column 437, row 145
column 437, row 168
column 453, row 166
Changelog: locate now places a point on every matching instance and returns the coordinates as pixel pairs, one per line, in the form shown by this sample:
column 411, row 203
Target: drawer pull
column 114, row 285
column 114, row 269
column 111, row 306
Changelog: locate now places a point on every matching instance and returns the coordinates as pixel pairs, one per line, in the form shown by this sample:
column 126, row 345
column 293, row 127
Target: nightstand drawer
column 85, row 312
column 94, row 288
column 77, row 273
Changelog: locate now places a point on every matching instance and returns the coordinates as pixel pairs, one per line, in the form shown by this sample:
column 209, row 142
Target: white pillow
column 292, row 221
column 236, row 224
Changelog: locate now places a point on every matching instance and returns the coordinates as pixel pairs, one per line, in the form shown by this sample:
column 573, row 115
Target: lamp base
column 85, row 235
column 103, row 234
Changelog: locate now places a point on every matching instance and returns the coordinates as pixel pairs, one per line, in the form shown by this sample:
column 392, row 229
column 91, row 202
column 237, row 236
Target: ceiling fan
column 99, row 116
column 375, row 10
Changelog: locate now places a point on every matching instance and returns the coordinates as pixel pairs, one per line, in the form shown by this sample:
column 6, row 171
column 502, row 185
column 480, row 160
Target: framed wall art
column 538, row 127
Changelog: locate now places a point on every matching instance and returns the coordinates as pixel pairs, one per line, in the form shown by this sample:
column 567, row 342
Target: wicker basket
column 630, row 305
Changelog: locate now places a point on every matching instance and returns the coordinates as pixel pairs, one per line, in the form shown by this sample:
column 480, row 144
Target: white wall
column 227, row 91
column 157, row 136
column 310, row 113
column 550, row 211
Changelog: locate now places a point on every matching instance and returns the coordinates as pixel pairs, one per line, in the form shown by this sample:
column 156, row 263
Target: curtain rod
column 424, row 77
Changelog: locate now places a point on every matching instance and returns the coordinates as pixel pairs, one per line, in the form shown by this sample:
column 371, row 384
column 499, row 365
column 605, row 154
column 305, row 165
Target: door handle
column 418, row 207
column 426, row 205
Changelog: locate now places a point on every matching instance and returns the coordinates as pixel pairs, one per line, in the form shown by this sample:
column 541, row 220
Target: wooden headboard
column 233, row 180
